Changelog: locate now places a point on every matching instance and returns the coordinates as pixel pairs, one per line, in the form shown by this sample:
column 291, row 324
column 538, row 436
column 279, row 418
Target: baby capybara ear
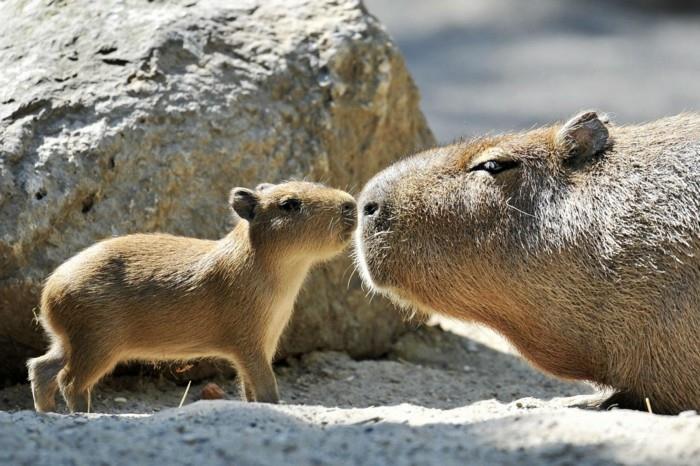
column 582, row 136
column 244, row 202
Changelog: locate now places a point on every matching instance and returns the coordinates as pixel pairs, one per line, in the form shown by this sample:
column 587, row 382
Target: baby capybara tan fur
column 157, row 297
column 579, row 242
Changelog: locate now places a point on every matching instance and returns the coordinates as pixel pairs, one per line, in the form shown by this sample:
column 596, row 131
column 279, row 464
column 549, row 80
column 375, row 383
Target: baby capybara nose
column 370, row 208
column 349, row 211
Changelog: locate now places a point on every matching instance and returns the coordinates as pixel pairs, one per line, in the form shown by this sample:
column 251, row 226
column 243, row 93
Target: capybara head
column 297, row 218
column 447, row 227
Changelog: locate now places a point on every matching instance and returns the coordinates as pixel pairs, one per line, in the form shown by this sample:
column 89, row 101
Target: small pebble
column 467, row 368
column 212, row 391
column 120, row 399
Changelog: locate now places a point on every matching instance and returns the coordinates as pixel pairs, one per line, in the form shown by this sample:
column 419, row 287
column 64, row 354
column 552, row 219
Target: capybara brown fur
column 156, row 297
column 579, row 242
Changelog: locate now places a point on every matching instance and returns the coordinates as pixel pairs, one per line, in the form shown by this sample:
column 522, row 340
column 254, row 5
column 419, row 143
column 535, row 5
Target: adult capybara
column 161, row 297
column 579, row 242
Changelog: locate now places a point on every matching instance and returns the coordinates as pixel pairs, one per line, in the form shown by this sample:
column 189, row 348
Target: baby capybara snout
column 155, row 297
column 348, row 210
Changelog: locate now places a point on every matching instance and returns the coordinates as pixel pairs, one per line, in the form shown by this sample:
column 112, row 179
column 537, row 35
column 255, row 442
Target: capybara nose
column 370, row 208
column 349, row 211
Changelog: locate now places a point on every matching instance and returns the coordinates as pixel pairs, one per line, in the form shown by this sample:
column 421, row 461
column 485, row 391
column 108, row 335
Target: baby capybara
column 156, row 297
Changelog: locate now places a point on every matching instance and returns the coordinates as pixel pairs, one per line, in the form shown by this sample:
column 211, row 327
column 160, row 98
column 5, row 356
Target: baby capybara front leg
column 43, row 373
column 75, row 390
column 258, row 378
column 245, row 389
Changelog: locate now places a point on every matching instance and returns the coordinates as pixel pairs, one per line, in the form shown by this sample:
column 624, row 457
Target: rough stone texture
column 136, row 116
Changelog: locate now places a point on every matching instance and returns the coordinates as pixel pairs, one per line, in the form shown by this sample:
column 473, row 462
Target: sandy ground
column 438, row 398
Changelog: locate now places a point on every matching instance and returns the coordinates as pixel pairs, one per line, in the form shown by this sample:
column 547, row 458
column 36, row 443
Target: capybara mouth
column 369, row 261
column 371, row 246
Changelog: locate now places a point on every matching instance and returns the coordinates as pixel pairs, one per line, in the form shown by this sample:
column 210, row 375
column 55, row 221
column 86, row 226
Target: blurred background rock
column 499, row 65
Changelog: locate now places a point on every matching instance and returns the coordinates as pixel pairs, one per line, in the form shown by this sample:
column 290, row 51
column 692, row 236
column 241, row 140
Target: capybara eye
column 290, row 204
column 496, row 166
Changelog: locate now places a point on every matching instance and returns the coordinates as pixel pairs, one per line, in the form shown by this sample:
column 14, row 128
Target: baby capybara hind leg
column 43, row 373
column 84, row 369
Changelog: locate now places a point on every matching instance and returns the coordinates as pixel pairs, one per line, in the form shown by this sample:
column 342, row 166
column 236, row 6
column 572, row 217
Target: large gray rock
column 125, row 116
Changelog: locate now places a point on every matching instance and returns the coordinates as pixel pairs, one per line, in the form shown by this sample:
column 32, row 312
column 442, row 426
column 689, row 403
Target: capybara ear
column 263, row 186
column 582, row 136
column 244, row 201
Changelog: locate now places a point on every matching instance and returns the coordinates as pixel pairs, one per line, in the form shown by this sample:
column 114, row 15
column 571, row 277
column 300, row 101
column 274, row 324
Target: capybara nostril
column 370, row 208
